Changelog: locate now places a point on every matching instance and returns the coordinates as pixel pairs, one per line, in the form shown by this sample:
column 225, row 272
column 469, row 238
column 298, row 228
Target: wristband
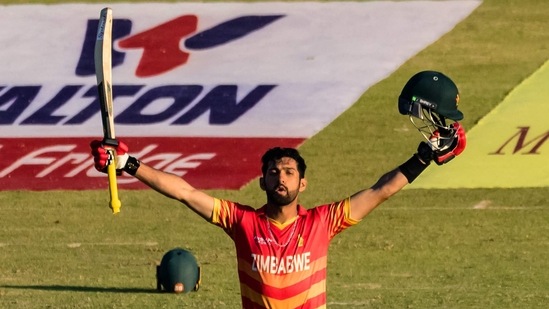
column 132, row 165
column 412, row 168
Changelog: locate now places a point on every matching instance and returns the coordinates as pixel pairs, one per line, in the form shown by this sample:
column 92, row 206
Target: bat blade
column 103, row 72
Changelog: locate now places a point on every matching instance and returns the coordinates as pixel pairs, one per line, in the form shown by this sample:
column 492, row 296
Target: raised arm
column 168, row 184
column 177, row 188
column 363, row 202
column 430, row 100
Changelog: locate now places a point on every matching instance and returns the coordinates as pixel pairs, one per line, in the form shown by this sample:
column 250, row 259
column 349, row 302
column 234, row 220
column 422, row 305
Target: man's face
column 282, row 182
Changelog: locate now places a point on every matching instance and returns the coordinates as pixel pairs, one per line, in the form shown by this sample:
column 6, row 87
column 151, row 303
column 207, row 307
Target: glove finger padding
column 451, row 143
column 102, row 157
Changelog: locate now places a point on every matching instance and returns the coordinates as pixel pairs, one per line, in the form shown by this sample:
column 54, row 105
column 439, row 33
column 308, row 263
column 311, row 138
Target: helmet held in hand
column 433, row 91
column 430, row 99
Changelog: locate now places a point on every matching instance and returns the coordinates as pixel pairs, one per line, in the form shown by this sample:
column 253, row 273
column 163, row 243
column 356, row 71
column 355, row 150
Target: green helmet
column 430, row 91
column 178, row 272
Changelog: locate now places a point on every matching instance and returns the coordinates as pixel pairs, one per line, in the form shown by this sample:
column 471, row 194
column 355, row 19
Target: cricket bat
column 103, row 72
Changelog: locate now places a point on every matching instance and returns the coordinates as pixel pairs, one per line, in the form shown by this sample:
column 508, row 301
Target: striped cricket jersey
column 282, row 266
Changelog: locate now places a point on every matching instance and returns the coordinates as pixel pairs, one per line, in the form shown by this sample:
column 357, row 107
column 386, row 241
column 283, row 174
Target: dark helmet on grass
column 178, row 272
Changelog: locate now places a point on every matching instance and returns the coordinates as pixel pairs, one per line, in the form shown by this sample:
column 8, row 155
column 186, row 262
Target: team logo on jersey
column 260, row 240
column 300, row 241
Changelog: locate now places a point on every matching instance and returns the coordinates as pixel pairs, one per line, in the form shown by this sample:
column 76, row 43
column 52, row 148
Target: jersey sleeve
column 339, row 217
column 221, row 215
column 227, row 214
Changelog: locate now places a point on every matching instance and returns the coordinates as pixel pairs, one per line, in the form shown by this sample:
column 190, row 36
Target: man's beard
column 281, row 198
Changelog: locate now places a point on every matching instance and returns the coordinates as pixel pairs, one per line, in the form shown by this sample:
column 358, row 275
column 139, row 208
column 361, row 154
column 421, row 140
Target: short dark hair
column 278, row 153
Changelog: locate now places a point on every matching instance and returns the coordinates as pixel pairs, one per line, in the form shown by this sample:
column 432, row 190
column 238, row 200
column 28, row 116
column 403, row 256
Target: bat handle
column 110, row 142
column 115, row 203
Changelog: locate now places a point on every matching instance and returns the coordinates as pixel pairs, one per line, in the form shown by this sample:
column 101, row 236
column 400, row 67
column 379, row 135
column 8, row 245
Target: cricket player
column 282, row 246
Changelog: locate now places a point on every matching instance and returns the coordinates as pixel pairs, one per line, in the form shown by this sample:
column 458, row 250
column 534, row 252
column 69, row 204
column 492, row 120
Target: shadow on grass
column 73, row 288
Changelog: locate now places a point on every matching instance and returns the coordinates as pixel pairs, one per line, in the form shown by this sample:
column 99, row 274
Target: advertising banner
column 200, row 89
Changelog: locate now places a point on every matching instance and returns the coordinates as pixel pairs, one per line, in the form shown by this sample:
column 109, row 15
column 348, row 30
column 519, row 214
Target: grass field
column 421, row 249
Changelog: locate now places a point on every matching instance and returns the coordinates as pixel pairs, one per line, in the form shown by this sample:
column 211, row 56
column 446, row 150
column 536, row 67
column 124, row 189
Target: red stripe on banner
column 66, row 163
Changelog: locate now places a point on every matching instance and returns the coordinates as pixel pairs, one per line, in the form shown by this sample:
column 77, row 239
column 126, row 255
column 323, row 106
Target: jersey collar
column 301, row 211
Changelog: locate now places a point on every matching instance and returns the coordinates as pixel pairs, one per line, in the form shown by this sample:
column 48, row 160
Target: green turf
column 421, row 249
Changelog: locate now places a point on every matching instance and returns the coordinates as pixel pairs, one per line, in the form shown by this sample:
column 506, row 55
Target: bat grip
column 115, row 203
column 110, row 142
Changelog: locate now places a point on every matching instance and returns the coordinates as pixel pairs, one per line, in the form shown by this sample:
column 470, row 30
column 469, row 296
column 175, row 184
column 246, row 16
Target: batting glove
column 425, row 153
column 447, row 144
column 102, row 158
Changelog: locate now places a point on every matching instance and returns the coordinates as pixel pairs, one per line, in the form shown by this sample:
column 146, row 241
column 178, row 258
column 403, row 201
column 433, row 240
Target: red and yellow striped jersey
column 282, row 266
